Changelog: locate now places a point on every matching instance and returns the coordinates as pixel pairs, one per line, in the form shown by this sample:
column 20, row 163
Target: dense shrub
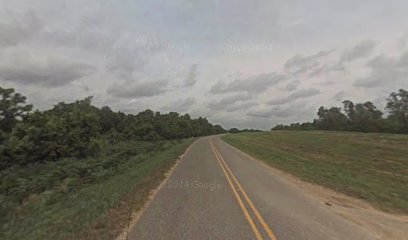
column 75, row 130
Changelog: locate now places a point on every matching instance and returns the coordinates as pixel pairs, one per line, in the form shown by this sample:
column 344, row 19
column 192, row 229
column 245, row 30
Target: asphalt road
column 217, row 192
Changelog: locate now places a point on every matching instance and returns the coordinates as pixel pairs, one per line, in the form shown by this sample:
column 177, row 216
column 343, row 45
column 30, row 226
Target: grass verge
column 84, row 199
column 370, row 166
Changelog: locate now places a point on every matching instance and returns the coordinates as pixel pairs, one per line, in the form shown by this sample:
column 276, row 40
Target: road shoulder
column 385, row 225
column 135, row 216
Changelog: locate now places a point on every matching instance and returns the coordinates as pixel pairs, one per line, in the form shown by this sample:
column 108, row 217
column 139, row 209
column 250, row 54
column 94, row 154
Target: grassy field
column 83, row 199
column 370, row 166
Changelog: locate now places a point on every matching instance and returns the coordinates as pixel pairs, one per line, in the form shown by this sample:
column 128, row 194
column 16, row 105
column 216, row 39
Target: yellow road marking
column 240, row 202
column 250, row 203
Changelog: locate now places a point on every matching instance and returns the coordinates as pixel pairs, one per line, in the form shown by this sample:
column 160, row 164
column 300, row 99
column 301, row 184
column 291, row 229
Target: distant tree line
column 236, row 130
column 73, row 130
column 361, row 117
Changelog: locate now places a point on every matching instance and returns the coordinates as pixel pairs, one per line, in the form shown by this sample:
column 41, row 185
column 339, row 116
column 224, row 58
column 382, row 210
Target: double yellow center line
column 231, row 180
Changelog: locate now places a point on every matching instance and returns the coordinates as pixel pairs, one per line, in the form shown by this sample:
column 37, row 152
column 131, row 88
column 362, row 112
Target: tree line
column 361, row 117
column 236, row 130
column 74, row 130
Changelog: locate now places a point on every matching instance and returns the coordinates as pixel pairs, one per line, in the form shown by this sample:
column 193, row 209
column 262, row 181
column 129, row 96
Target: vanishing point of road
column 217, row 192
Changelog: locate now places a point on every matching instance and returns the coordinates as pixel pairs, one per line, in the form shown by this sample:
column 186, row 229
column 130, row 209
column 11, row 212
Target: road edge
column 137, row 214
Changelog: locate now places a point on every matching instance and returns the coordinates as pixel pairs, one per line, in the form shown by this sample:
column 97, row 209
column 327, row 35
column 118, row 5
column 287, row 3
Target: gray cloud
column 304, row 93
column 315, row 67
column 327, row 68
column 181, row 105
column 403, row 61
column 191, row 77
column 361, row 50
column 311, row 66
column 11, row 35
column 228, row 102
column 340, row 96
column 124, row 62
column 242, row 106
column 299, row 64
column 403, row 41
column 385, row 70
column 278, row 112
column 320, row 65
column 98, row 32
column 20, row 28
column 81, row 37
column 292, row 86
column 125, row 41
column 145, row 89
column 25, row 66
column 255, row 84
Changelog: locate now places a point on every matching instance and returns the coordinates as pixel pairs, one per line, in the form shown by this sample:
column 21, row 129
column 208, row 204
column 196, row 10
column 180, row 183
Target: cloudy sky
column 240, row 63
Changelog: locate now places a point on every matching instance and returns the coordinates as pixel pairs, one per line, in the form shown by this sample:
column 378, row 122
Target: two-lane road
column 216, row 192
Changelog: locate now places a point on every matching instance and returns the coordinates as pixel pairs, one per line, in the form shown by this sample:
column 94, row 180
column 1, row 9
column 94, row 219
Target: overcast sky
column 240, row 63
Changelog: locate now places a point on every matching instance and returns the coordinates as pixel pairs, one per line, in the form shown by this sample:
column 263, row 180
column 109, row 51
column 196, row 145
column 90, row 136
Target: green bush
column 80, row 130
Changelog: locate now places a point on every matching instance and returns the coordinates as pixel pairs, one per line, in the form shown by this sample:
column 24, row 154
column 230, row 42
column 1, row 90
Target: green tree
column 234, row 130
column 67, row 130
column 397, row 107
column 349, row 109
column 108, row 119
column 331, row 119
column 13, row 108
column 367, row 118
column 76, row 130
column 364, row 117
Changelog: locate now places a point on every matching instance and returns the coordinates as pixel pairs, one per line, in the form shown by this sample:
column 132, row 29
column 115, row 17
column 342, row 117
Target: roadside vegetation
column 360, row 117
column 70, row 172
column 90, row 199
column 74, row 130
column 370, row 166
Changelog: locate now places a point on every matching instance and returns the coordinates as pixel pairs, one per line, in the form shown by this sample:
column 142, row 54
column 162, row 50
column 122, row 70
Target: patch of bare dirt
column 387, row 226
